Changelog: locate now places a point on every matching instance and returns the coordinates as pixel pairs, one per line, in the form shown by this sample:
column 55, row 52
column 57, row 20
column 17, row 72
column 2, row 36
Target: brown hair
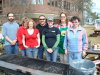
column 34, row 24
column 65, row 15
column 75, row 18
column 24, row 20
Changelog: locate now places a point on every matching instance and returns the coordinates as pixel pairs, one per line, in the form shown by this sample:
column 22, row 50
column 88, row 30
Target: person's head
column 25, row 22
column 31, row 24
column 50, row 21
column 63, row 17
column 10, row 17
column 75, row 20
column 42, row 20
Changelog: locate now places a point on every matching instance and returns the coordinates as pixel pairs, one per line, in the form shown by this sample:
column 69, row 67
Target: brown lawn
column 90, row 29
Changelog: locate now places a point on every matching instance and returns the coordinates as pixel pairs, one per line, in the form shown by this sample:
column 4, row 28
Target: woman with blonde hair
column 31, row 39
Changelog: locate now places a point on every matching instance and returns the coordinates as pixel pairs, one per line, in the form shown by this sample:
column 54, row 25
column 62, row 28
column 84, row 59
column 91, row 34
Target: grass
column 90, row 29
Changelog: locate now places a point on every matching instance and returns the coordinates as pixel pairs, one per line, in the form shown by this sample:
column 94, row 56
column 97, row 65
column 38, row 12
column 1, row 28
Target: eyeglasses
column 41, row 19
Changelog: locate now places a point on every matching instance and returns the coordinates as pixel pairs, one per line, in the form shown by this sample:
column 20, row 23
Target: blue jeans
column 11, row 49
column 52, row 56
column 40, row 52
column 23, row 52
column 73, row 56
column 32, row 52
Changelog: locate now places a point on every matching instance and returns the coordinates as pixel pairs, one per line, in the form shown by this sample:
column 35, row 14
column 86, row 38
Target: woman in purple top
column 75, row 42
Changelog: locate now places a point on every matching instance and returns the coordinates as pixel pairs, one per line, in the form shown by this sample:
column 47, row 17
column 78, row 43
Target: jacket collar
column 78, row 29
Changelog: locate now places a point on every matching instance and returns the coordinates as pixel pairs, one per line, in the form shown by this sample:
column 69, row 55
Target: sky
column 96, row 7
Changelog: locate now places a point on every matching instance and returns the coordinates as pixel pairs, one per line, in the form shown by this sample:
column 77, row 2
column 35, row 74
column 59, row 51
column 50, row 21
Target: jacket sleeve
column 43, row 42
column 84, row 41
column 57, row 42
column 4, row 31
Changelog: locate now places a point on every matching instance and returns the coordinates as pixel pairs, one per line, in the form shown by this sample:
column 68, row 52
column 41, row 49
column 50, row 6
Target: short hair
column 34, row 24
column 42, row 15
column 9, row 13
column 45, row 18
column 75, row 18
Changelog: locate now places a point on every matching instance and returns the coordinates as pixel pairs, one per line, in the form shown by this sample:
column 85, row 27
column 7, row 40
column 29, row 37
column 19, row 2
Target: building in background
column 34, row 8
column 1, row 6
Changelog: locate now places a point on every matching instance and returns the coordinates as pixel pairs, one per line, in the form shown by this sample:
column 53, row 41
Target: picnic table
column 97, row 32
column 97, row 60
column 91, row 51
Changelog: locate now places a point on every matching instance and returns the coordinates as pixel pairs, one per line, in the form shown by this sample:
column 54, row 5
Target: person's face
column 50, row 23
column 11, row 17
column 63, row 17
column 31, row 25
column 75, row 22
column 42, row 20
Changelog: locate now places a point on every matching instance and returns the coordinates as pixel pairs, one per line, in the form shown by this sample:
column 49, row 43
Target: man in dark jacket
column 41, row 26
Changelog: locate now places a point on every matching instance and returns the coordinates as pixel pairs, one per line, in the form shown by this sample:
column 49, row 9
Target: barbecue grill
column 20, row 65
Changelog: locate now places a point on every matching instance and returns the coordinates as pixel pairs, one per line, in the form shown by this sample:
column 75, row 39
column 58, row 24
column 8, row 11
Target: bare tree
column 19, row 7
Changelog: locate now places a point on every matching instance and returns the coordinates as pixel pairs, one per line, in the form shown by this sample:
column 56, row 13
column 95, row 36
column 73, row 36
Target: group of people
column 69, row 41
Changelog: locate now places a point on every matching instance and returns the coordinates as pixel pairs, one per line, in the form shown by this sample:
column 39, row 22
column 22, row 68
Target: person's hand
column 83, row 53
column 49, row 50
column 14, row 42
column 37, row 46
column 66, row 52
column 26, row 46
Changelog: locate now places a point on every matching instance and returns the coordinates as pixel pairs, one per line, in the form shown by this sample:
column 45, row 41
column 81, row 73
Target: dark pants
column 40, row 52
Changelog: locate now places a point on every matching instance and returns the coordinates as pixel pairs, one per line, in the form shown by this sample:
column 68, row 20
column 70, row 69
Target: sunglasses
column 41, row 19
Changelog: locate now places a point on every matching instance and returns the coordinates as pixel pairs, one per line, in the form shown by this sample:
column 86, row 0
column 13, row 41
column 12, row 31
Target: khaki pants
column 63, row 58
